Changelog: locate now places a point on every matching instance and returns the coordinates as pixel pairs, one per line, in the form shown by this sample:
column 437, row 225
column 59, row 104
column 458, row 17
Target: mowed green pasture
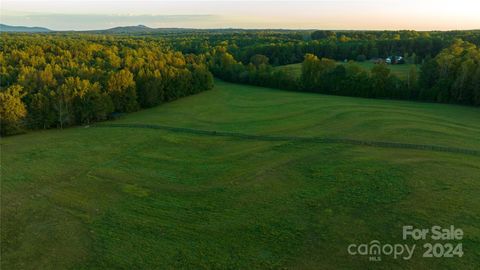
column 137, row 198
column 401, row 71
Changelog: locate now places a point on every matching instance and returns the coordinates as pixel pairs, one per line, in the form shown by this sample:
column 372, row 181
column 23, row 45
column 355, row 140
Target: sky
column 320, row 14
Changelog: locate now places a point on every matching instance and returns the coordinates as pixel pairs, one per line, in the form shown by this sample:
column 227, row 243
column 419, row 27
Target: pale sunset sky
column 322, row 14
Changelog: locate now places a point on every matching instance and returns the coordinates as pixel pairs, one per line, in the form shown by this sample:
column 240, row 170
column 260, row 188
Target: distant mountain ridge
column 24, row 29
column 138, row 29
column 131, row 29
column 128, row 29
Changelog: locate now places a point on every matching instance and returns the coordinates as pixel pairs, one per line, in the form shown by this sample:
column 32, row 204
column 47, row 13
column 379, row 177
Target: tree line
column 452, row 76
column 49, row 81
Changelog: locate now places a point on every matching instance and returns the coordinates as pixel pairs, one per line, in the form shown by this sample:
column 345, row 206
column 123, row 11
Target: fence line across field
column 298, row 138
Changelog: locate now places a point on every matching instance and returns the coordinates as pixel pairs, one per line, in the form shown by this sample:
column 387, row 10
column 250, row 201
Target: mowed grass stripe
column 301, row 139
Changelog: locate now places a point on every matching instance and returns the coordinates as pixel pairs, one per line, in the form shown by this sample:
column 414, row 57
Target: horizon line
column 239, row 28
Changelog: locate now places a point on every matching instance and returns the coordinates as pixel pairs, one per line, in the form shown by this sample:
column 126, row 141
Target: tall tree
column 63, row 103
column 122, row 89
column 41, row 109
column 259, row 59
column 12, row 110
column 380, row 77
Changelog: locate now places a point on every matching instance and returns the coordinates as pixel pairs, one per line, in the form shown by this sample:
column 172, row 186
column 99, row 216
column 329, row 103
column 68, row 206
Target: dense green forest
column 63, row 79
column 287, row 47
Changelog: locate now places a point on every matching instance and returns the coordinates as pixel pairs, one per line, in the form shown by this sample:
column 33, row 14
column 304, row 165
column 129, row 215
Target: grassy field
column 401, row 71
column 140, row 198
